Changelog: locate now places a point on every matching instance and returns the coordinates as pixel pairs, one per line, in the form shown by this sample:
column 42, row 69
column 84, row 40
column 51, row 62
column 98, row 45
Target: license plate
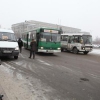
column 6, row 51
column 50, row 51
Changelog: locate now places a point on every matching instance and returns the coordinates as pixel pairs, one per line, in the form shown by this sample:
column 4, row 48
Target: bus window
column 87, row 39
column 77, row 39
column 64, row 38
column 55, row 37
column 45, row 37
column 71, row 38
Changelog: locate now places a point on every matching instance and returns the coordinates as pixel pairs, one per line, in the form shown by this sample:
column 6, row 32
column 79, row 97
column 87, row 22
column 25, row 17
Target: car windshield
column 5, row 36
column 87, row 39
column 50, row 37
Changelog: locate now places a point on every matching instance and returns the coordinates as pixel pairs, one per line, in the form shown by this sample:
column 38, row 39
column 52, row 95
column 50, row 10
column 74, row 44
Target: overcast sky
column 82, row 14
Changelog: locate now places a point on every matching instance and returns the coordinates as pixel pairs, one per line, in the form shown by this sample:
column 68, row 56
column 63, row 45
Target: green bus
column 48, row 40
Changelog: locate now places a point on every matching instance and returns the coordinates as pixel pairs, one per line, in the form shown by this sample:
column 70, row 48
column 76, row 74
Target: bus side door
column 70, row 43
column 64, row 41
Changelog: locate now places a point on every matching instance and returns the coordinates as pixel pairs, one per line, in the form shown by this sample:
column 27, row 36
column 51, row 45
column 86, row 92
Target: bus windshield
column 5, row 36
column 50, row 37
column 64, row 37
column 87, row 39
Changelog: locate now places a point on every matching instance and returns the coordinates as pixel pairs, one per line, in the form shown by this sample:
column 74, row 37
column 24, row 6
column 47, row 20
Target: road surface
column 63, row 76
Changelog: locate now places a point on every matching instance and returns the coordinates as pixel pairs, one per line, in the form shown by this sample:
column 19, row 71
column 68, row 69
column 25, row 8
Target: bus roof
column 48, row 28
column 38, row 29
column 6, row 30
column 76, row 34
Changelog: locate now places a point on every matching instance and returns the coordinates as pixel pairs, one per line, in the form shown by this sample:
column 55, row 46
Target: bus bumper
column 86, row 49
column 49, row 51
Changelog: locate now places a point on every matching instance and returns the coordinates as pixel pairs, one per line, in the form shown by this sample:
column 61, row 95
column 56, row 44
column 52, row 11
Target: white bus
column 76, row 42
column 8, row 44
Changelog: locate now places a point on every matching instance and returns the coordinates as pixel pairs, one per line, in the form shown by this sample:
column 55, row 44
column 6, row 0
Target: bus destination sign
column 50, row 31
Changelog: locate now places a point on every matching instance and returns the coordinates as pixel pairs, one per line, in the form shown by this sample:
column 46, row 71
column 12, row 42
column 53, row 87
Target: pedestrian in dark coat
column 20, row 44
column 32, row 48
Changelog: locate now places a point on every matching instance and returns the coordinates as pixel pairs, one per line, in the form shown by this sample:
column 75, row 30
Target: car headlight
column 17, row 48
column 41, row 47
column 59, row 48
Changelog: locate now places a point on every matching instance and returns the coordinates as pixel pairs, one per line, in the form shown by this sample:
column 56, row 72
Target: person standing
column 20, row 44
column 32, row 48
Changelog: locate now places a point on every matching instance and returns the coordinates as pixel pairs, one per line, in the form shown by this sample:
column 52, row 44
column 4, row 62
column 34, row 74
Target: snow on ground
column 95, row 51
column 15, row 89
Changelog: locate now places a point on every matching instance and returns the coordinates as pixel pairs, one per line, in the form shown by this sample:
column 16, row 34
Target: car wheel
column 62, row 49
column 86, row 52
column 15, row 57
column 75, row 51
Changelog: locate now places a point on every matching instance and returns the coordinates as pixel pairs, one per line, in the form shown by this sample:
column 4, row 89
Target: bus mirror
column 81, row 41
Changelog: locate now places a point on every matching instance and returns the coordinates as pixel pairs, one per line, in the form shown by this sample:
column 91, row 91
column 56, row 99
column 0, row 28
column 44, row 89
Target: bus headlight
column 59, row 48
column 41, row 47
column 17, row 48
column 91, row 48
column 83, row 48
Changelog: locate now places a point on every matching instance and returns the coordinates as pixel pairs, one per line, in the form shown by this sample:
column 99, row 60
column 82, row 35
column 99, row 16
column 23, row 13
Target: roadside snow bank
column 15, row 90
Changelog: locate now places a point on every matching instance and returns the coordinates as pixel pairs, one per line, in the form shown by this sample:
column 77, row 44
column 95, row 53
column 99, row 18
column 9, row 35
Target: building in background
column 31, row 25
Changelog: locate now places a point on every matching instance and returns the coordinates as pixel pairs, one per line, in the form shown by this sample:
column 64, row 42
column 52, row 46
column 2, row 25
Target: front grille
column 50, row 48
column 88, row 46
column 9, row 49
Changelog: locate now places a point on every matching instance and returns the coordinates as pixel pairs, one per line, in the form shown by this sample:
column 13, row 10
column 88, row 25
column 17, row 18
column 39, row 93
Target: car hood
column 7, row 44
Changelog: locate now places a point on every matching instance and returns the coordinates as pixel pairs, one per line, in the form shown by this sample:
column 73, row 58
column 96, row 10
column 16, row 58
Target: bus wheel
column 62, row 49
column 86, row 52
column 75, row 51
column 15, row 57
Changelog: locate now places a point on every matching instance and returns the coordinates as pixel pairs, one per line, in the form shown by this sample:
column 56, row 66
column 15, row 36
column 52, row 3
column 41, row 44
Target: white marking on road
column 7, row 69
column 47, row 64
column 94, row 76
column 9, row 66
column 44, row 62
column 40, row 60
column 30, row 68
column 19, row 76
column 21, row 63
column 22, row 55
column 18, row 63
column 24, row 65
column 67, row 68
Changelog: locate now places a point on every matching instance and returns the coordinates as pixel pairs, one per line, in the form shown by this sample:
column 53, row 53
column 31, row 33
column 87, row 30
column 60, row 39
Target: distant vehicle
column 48, row 40
column 8, row 44
column 76, row 42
